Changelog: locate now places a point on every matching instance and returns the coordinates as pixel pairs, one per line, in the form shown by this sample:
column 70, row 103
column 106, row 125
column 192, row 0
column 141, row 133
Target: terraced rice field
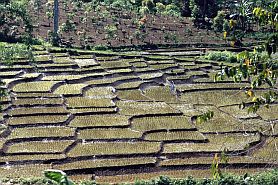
column 121, row 117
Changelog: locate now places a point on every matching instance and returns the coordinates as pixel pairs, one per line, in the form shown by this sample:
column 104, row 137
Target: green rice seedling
column 185, row 64
column 83, row 102
column 58, row 70
column 258, row 125
column 175, row 71
column 161, row 122
column 185, row 59
column 39, row 147
column 101, row 163
column 232, row 142
column 108, row 58
column 9, row 74
column 37, row 87
column 34, row 157
column 30, row 75
column 151, row 62
column 158, row 93
column 175, row 136
column 100, row 92
column 114, row 148
column 268, row 152
column 149, row 76
column 196, row 66
column 267, row 112
column 42, row 58
column 36, row 95
column 110, row 80
column 178, row 77
column 14, row 67
column 221, row 122
column 37, row 110
column 135, row 95
column 145, row 70
column 210, row 86
column 35, row 132
column 62, row 60
column 129, row 85
column 100, row 110
column 139, row 64
column 60, row 54
column 55, row 65
column 94, row 74
column 86, row 62
column 38, row 101
column 218, row 98
column 210, row 78
column 116, row 133
column 81, row 177
column 100, row 71
column 114, row 64
column 196, row 73
column 157, row 57
column 133, row 60
column 208, row 161
column 2, row 142
column 99, row 121
column 21, row 171
column 142, row 108
column 162, row 66
column 57, row 119
column 82, row 57
column 119, row 71
column 68, row 89
column 236, row 112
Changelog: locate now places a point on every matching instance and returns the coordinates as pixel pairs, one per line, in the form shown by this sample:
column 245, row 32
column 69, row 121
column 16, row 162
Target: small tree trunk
column 56, row 18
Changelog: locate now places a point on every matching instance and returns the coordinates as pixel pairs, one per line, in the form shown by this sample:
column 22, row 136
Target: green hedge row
column 264, row 178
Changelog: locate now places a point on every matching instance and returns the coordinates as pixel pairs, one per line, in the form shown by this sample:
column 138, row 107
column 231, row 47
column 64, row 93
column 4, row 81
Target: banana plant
column 58, row 176
column 243, row 12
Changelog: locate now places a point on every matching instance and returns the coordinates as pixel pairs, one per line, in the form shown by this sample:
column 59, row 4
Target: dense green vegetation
column 57, row 177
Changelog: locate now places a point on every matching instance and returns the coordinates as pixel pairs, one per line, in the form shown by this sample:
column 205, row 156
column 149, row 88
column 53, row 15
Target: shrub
column 100, row 47
column 110, row 31
column 172, row 10
column 160, row 7
column 222, row 56
column 12, row 52
column 218, row 21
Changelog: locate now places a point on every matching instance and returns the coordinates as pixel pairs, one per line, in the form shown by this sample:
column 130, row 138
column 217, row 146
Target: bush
column 222, row 56
column 12, row 52
column 172, row 10
column 160, row 8
column 218, row 21
column 100, row 47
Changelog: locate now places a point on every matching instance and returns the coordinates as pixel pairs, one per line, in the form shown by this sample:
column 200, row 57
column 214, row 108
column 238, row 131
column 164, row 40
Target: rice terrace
column 122, row 91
